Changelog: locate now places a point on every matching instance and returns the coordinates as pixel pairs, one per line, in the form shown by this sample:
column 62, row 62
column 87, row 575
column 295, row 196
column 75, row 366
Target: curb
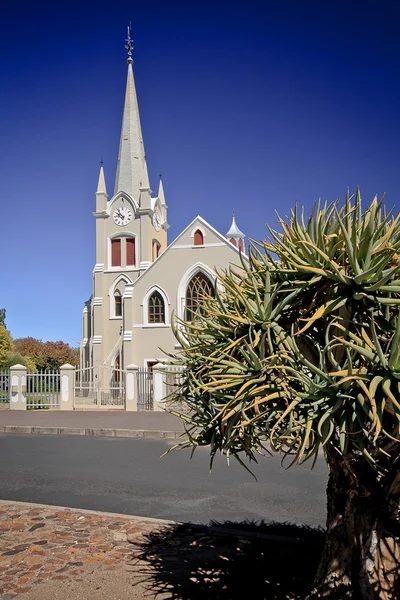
column 102, row 513
column 239, row 533
column 119, row 433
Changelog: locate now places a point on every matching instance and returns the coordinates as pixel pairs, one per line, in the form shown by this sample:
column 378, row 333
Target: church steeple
column 132, row 176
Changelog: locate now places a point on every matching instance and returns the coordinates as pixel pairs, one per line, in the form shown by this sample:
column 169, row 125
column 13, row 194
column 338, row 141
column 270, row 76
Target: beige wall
column 169, row 273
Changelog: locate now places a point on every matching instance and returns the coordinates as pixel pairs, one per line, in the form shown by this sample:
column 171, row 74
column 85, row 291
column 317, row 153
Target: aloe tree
column 299, row 353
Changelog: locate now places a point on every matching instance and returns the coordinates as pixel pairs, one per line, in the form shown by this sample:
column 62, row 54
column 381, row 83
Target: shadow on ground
column 229, row 560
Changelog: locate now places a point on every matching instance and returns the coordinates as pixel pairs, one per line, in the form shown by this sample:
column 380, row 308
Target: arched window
column 198, row 287
column 156, row 249
column 156, row 308
column 198, row 238
column 233, row 241
column 118, row 303
column 241, row 245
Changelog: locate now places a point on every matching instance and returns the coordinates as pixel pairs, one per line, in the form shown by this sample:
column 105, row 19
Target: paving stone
column 72, row 539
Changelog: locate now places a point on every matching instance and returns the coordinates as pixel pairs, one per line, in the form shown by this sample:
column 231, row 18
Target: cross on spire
column 129, row 46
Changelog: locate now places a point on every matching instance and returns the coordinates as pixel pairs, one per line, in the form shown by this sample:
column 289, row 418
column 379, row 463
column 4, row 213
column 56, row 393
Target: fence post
column 67, row 387
column 18, row 387
column 159, row 391
column 131, row 387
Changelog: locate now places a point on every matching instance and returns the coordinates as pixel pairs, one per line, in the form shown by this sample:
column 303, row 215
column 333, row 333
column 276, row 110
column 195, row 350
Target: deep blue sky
column 246, row 105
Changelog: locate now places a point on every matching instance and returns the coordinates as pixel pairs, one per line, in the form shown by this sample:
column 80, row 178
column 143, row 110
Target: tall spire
column 132, row 173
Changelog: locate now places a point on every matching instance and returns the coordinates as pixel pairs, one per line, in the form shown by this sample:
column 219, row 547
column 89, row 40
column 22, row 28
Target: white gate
column 99, row 387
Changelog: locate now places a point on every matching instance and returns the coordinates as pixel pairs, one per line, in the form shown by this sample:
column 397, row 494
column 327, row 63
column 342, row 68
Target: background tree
column 2, row 317
column 47, row 355
column 5, row 346
column 14, row 358
column 301, row 353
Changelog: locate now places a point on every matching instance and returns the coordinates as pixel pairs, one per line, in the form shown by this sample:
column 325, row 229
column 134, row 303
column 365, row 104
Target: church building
column 139, row 279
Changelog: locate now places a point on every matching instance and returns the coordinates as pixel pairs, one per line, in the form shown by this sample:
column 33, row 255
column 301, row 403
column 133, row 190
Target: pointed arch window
column 197, row 289
column 198, row 238
column 156, row 308
column 118, row 303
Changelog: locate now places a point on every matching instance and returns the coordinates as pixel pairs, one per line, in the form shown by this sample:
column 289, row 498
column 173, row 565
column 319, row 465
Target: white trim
column 127, row 337
column 112, row 362
column 85, row 341
column 97, row 339
column 97, row 301
column 145, row 264
column 151, row 326
column 98, row 267
column 111, row 292
column 198, row 228
column 145, row 305
column 214, row 245
column 181, row 293
column 123, row 266
column 122, row 270
column 128, row 293
column 120, row 196
column 85, row 310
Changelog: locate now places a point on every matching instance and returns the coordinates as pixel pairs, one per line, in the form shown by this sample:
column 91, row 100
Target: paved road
column 128, row 476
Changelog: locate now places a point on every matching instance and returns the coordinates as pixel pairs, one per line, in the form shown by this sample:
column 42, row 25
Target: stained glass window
column 156, row 308
column 198, row 287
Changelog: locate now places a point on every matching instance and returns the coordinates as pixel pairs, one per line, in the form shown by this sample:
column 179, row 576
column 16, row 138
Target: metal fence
column 4, row 386
column 173, row 380
column 43, row 390
column 99, row 387
column 144, row 389
column 85, row 388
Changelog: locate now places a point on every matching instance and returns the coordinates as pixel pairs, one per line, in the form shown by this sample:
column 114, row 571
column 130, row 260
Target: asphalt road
column 127, row 476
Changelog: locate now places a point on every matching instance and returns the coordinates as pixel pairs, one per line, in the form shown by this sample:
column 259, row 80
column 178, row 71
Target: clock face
column 122, row 216
column 156, row 222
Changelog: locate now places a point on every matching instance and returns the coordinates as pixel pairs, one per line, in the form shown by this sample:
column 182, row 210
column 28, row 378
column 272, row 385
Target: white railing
column 4, row 386
column 43, row 390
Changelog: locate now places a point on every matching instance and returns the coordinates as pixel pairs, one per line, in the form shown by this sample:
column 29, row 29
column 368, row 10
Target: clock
column 156, row 222
column 122, row 216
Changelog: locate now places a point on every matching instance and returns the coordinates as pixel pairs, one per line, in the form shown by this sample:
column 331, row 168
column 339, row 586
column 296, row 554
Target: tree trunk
column 361, row 556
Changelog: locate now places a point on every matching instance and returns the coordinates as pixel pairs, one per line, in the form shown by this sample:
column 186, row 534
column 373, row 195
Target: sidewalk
column 71, row 553
column 57, row 553
column 105, row 423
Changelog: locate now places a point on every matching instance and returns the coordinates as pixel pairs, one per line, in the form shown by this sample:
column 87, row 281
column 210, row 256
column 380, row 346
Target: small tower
column 235, row 236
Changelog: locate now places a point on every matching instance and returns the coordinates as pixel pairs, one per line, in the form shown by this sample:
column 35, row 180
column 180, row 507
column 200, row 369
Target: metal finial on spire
column 233, row 213
column 129, row 46
column 160, row 176
column 101, row 162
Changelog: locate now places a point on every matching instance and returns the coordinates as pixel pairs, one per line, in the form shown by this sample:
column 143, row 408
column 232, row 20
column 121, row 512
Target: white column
column 159, row 391
column 18, row 387
column 131, row 388
column 67, row 387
